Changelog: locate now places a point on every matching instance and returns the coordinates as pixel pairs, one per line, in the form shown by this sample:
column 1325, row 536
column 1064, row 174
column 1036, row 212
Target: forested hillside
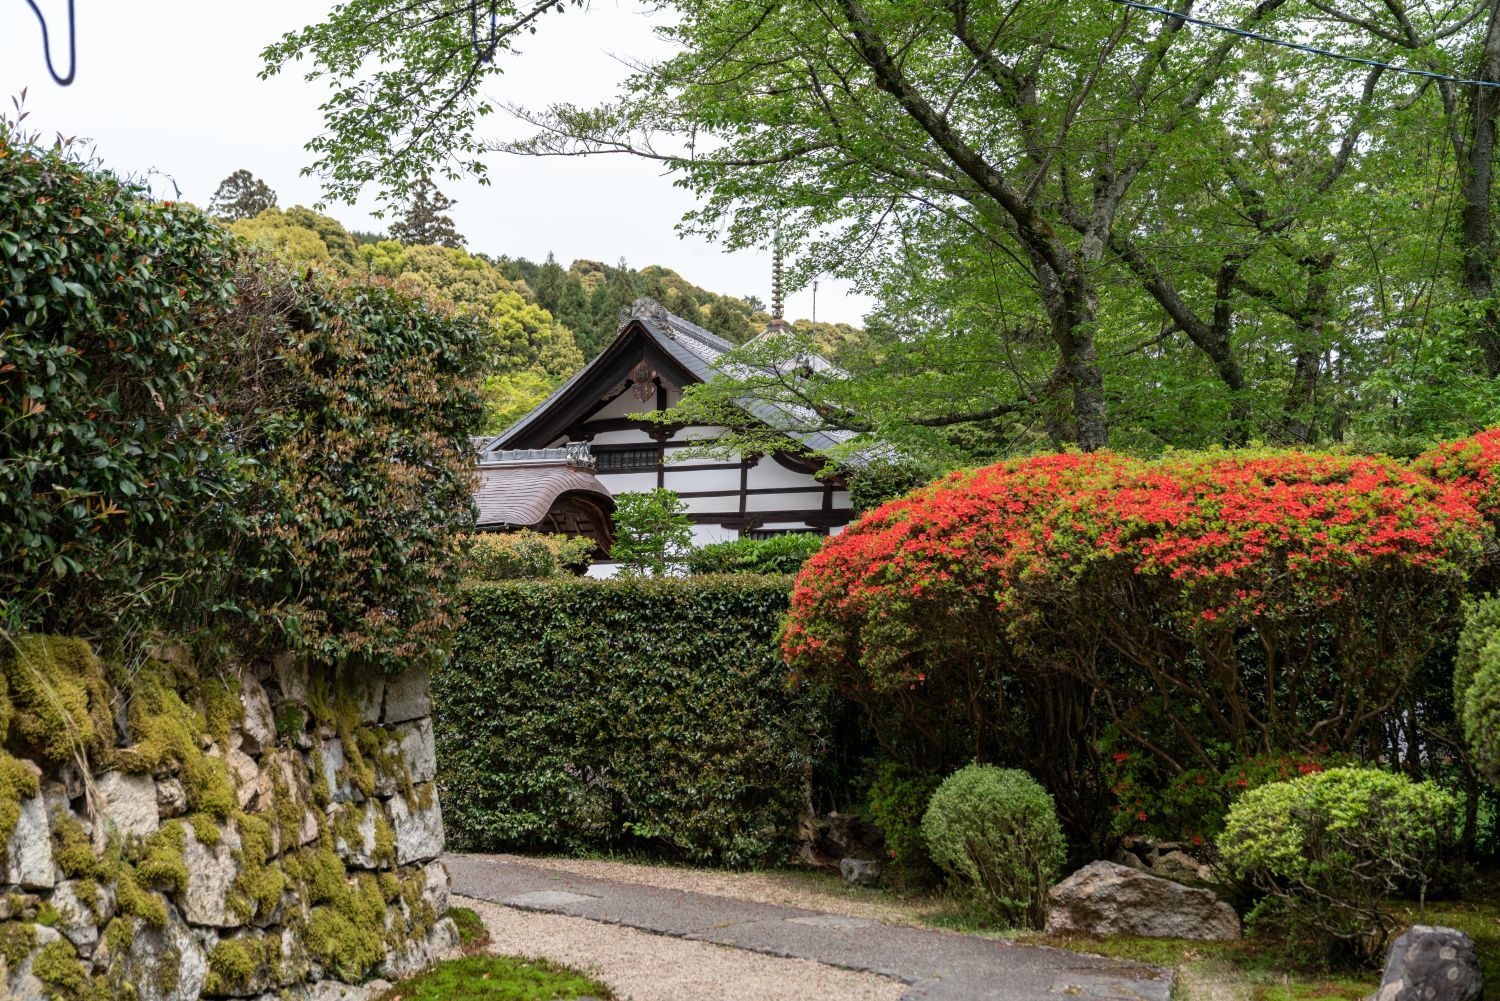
column 547, row 320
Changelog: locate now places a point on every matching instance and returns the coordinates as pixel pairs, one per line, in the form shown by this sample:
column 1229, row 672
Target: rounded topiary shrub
column 1327, row 850
column 995, row 832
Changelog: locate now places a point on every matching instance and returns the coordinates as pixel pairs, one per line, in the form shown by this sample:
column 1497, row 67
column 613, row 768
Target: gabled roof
column 698, row 353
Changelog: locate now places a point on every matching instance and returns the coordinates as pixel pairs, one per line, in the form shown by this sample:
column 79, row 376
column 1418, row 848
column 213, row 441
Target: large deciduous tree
column 241, row 195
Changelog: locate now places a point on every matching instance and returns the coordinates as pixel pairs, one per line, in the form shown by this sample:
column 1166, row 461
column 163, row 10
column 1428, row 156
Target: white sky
column 171, row 86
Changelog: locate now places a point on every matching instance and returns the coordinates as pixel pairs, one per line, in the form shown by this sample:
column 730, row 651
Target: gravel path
column 937, row 965
column 640, row 966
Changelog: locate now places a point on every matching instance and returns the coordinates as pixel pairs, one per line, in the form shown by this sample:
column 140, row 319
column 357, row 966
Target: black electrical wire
column 485, row 51
column 1311, row 49
column 62, row 81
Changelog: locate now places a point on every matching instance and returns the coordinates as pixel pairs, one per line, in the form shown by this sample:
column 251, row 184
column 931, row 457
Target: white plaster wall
column 704, row 479
column 802, row 501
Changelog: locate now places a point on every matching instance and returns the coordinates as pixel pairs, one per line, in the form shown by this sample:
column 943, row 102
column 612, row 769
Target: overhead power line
column 1310, row 49
column 62, row 80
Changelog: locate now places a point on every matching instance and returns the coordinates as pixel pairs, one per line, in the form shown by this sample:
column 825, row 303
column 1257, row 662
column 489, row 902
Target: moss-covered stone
column 73, row 851
column 258, row 887
column 17, row 939
column 57, row 967
column 136, row 900
column 236, row 963
column 162, row 864
column 18, row 781
column 166, row 732
column 56, row 699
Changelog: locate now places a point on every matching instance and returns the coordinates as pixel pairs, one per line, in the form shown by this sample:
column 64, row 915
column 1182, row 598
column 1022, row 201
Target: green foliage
column 108, row 459
column 995, row 832
column 497, row 978
column 778, row 554
column 241, row 195
column 881, row 480
column 1476, row 683
column 192, row 438
column 586, row 715
column 520, row 555
column 1189, row 804
column 425, row 221
column 1327, row 849
column 898, row 801
column 653, row 534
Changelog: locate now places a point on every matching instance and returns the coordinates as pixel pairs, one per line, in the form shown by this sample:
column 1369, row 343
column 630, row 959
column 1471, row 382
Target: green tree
column 241, row 195
column 425, row 221
column 273, row 231
column 653, row 534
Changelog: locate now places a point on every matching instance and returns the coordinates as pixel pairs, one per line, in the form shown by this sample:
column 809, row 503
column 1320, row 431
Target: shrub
column 106, row 454
column 653, row 534
column 995, row 831
column 1476, row 683
column 1204, row 606
column 1327, row 849
column 778, row 554
column 191, row 437
column 525, row 554
column 632, row 712
column 898, row 800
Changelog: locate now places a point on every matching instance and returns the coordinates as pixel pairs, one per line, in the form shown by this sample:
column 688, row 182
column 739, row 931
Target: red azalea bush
column 1205, row 607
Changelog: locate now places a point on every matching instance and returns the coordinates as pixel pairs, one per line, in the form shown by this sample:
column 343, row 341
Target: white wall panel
column 631, row 436
column 619, row 483
column 768, row 473
column 705, row 534
column 729, row 507
column 785, row 502
column 703, row 479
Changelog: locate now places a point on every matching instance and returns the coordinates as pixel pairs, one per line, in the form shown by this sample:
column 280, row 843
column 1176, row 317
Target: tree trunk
column 1478, row 225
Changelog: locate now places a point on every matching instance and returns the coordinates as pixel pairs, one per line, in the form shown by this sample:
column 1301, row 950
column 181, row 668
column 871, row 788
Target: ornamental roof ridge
column 575, row 454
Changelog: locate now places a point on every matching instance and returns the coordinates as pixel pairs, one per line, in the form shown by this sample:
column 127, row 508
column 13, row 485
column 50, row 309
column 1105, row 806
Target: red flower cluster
column 1224, row 537
column 1472, row 465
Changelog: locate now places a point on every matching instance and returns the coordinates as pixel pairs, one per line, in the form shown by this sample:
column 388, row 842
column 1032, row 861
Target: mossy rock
column 55, row 699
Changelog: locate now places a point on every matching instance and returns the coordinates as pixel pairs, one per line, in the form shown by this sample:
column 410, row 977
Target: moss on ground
column 496, row 978
column 472, row 933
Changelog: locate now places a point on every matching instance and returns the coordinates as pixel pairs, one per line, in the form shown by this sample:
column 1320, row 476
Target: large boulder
column 258, row 729
column 412, row 745
column 1431, row 963
column 1104, row 898
column 28, row 853
column 158, row 964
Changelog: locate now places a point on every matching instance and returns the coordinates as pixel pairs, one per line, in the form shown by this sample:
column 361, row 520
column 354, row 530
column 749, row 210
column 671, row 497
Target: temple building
column 559, row 468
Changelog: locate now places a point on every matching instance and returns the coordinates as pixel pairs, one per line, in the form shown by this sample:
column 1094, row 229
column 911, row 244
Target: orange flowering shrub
column 1205, row 607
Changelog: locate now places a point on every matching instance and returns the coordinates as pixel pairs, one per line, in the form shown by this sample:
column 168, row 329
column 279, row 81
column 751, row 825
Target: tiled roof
column 701, row 352
column 517, row 494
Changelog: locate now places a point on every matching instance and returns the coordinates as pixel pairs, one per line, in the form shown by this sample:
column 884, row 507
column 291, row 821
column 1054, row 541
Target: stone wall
column 257, row 830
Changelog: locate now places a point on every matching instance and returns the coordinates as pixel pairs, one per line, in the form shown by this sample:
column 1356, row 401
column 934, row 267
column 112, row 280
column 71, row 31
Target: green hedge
column 649, row 713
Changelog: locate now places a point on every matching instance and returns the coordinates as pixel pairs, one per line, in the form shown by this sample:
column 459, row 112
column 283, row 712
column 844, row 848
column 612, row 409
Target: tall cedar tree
column 425, row 223
column 241, row 195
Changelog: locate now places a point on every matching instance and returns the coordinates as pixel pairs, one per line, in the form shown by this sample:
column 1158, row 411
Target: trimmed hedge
column 650, row 713
column 778, row 554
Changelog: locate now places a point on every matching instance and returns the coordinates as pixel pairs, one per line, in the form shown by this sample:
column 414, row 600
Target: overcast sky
column 171, row 86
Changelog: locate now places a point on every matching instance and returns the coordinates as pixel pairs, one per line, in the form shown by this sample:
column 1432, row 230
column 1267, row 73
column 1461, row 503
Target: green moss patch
column 166, row 732
column 496, row 978
column 235, row 962
column 472, row 934
column 58, row 967
column 55, row 696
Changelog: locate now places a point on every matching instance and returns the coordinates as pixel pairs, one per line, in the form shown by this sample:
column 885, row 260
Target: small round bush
column 524, row 555
column 1328, row 849
column 995, row 832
